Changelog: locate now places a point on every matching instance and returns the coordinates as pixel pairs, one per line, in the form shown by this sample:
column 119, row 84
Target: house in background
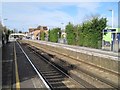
column 34, row 33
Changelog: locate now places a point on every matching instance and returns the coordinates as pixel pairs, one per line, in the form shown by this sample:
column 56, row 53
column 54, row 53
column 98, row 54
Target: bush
column 88, row 34
column 42, row 36
column 54, row 34
column 70, row 34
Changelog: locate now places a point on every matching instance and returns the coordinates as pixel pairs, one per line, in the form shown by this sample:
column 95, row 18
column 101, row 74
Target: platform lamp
column 112, row 17
column 63, row 32
column 3, row 23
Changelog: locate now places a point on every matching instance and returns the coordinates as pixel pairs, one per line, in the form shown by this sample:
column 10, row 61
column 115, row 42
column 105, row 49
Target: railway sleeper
column 66, row 81
column 63, row 87
column 58, row 76
column 51, row 74
column 59, row 85
column 55, row 77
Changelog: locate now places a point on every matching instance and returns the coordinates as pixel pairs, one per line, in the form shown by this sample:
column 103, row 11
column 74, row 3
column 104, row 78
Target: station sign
column 109, row 30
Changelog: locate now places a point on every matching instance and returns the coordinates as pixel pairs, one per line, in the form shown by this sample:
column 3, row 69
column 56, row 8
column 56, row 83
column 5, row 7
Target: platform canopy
column 17, row 34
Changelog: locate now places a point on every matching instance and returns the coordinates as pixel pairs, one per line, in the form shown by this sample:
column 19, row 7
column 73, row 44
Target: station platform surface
column 7, row 65
column 22, row 76
column 80, row 49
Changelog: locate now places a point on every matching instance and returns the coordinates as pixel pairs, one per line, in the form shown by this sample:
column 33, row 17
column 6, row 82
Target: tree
column 88, row 34
column 70, row 34
column 49, row 35
column 91, row 32
column 20, row 31
column 54, row 34
column 6, row 34
column 98, row 24
column 80, row 35
column 42, row 36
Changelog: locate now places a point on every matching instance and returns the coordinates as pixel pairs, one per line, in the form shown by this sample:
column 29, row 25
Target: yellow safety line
column 16, row 70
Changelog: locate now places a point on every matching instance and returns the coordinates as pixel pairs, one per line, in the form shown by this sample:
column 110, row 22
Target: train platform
column 17, row 72
column 7, row 65
column 84, row 50
column 34, row 65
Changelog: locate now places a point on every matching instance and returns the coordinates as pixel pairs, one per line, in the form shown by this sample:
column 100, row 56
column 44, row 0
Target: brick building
column 34, row 33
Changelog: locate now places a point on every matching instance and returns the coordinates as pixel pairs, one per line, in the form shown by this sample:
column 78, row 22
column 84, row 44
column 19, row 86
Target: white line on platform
column 34, row 67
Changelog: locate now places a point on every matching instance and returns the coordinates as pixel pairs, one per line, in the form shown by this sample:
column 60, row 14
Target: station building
column 111, row 39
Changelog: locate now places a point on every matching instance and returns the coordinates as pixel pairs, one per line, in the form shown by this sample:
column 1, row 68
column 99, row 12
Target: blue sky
column 22, row 15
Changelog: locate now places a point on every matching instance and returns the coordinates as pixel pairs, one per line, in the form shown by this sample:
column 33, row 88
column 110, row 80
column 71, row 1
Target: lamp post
column 62, row 26
column 2, row 21
column 112, row 17
column 5, row 40
column 63, row 31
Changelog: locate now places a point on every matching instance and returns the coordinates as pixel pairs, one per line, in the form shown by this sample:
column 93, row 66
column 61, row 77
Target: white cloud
column 51, row 19
column 85, row 11
column 51, row 15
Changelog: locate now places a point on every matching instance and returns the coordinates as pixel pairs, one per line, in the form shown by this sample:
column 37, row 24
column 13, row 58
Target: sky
column 23, row 15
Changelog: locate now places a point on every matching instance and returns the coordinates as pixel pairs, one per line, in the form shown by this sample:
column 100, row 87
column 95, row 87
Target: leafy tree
column 87, row 34
column 54, row 34
column 70, row 34
column 6, row 34
column 49, row 35
column 81, row 35
column 20, row 31
column 98, row 24
column 76, row 34
column 42, row 35
column 91, row 32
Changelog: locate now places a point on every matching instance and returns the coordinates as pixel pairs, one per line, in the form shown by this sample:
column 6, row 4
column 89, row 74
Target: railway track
column 101, row 79
column 74, row 47
column 52, row 75
column 78, row 79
